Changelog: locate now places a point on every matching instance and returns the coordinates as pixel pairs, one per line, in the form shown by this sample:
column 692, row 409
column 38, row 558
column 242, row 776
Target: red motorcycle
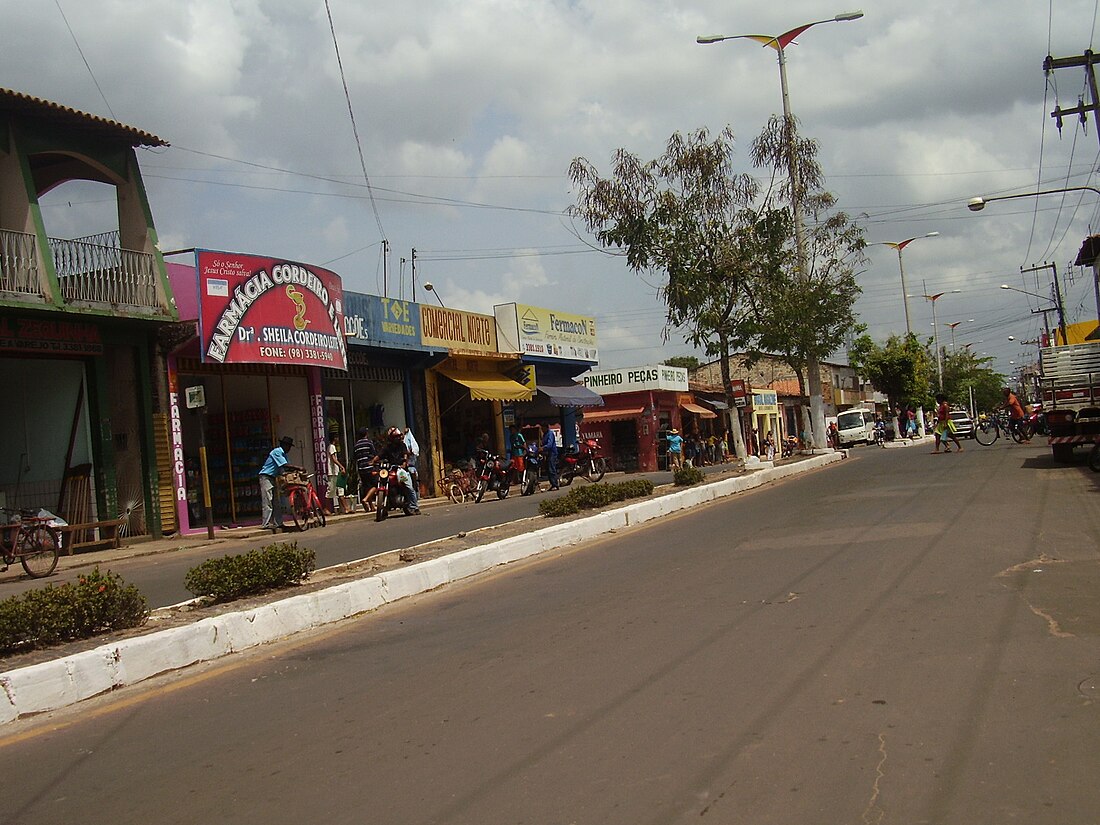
column 493, row 473
column 583, row 460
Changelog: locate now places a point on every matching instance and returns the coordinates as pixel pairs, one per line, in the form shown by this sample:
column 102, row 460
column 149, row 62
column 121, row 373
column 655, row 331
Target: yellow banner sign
column 455, row 329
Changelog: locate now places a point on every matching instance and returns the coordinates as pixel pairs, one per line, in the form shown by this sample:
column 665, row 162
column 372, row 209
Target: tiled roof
column 29, row 106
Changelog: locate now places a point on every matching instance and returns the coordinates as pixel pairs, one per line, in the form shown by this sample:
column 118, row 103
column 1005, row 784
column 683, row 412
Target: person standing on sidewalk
column 271, row 505
column 675, row 449
column 366, row 467
column 549, row 447
column 337, row 475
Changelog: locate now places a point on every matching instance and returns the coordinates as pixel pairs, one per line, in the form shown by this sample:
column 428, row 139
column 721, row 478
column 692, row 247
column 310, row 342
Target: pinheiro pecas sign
column 259, row 310
column 633, row 379
column 534, row 331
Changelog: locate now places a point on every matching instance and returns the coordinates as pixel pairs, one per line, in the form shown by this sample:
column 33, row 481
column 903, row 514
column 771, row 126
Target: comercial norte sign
column 535, row 331
column 259, row 310
column 455, row 329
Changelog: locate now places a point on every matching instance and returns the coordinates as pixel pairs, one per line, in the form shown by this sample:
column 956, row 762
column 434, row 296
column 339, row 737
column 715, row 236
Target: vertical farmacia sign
column 258, row 310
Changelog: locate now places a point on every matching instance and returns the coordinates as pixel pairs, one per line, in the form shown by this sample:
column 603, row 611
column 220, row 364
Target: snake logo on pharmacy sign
column 257, row 310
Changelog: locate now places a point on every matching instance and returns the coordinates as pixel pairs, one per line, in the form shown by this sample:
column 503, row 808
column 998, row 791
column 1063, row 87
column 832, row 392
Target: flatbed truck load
column 1069, row 384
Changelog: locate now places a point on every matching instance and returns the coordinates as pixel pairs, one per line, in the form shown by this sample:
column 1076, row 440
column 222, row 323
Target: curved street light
column 935, row 329
column 779, row 42
column 428, row 285
column 899, row 246
column 1044, row 310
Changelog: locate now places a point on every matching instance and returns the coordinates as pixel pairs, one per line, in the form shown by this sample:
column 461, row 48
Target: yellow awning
column 490, row 386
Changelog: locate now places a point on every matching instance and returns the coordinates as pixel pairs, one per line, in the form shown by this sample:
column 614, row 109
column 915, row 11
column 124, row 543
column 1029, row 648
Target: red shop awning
column 702, row 412
column 614, row 415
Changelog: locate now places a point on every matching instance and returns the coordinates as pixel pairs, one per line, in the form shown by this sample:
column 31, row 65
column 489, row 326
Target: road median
column 69, row 679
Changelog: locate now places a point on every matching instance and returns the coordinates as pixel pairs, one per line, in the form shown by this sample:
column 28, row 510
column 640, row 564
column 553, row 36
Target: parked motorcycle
column 789, row 447
column 493, row 473
column 583, row 460
column 392, row 493
column 532, row 465
column 1037, row 419
column 880, row 436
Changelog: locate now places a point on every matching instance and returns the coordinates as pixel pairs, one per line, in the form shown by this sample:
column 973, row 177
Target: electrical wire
column 87, row 65
column 354, row 127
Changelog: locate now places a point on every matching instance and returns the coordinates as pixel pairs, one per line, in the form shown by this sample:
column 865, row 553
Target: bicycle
column 988, row 429
column 305, row 505
column 32, row 540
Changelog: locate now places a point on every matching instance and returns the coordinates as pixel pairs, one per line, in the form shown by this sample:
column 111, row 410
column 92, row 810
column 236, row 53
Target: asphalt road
column 900, row 638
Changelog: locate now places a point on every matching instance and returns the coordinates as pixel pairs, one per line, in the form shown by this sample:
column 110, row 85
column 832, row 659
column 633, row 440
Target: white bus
column 855, row 427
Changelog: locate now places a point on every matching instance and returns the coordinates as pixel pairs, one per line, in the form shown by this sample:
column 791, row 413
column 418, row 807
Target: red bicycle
column 305, row 504
column 31, row 540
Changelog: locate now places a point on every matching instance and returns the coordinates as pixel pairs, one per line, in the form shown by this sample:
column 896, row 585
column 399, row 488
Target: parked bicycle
column 305, row 505
column 990, row 427
column 459, row 484
column 30, row 539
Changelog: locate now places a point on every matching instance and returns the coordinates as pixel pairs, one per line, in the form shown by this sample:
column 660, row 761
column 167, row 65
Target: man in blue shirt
column 675, row 449
column 550, row 450
column 275, row 465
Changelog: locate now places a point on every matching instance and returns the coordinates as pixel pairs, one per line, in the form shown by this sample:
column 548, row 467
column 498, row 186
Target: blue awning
column 570, row 395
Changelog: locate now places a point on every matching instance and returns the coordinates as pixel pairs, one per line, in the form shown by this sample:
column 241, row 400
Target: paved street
column 901, row 637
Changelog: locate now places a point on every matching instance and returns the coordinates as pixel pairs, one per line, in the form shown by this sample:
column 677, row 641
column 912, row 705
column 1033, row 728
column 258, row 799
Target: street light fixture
column 978, row 204
column 899, row 246
column 1044, row 310
column 428, row 285
column 952, row 326
column 780, row 43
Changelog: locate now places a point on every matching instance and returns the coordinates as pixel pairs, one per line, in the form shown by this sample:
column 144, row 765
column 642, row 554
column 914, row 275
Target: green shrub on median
column 96, row 603
column 249, row 574
column 686, row 476
column 595, row 495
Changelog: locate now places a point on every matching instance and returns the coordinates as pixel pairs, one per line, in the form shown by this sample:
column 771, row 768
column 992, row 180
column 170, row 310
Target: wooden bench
column 80, row 536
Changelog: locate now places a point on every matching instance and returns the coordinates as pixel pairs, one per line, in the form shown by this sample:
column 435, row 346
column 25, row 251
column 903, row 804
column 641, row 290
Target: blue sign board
column 381, row 322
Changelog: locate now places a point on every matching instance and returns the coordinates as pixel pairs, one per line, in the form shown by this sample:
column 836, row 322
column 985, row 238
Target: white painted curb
column 55, row 684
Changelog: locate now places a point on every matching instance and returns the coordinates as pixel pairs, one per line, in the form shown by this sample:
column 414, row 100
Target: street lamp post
column 899, row 246
column 1044, row 310
column 780, row 43
column 952, row 326
column 428, row 285
column 978, row 204
column 936, row 333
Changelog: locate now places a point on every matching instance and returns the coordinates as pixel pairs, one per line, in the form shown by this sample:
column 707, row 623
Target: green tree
column 688, row 362
column 804, row 300
column 901, row 369
column 685, row 215
column 964, row 371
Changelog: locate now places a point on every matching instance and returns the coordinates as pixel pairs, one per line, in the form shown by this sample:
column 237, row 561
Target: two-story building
column 84, row 411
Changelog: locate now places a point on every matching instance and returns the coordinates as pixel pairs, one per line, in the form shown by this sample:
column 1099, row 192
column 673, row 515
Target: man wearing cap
column 275, row 465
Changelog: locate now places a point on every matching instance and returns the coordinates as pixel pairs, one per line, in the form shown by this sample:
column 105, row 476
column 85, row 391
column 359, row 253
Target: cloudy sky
column 469, row 113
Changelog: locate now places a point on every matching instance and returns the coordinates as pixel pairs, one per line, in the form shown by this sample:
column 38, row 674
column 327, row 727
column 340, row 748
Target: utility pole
column 1057, row 297
column 385, row 268
column 414, row 274
column 1088, row 60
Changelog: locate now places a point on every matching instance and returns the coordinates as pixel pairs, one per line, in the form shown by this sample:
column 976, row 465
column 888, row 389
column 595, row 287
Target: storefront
column 383, row 385
column 641, row 405
column 555, row 347
column 766, row 416
column 78, row 418
column 266, row 328
column 466, row 388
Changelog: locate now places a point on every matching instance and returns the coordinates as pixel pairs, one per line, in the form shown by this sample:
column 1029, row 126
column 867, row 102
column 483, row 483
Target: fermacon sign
column 257, row 310
column 548, row 333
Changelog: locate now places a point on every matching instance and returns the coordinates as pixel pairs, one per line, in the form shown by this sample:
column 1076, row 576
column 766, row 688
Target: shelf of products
column 248, row 435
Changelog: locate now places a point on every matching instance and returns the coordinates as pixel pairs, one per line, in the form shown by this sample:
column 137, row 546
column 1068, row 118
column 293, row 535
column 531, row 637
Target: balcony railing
column 98, row 270
column 19, row 263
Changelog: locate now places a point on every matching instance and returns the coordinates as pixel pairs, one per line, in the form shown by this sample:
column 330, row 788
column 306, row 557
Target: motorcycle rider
column 396, row 453
column 880, row 430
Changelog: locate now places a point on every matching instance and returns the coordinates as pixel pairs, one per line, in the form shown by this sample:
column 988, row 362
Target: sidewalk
column 131, row 657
